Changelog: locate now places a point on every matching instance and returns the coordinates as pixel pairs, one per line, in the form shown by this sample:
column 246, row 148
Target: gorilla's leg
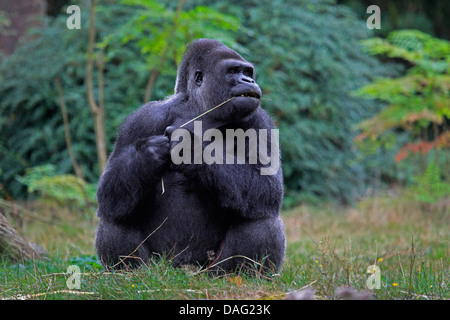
column 117, row 245
column 261, row 240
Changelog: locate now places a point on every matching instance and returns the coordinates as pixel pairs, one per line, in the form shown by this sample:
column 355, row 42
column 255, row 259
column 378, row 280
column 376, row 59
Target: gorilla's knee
column 119, row 246
column 261, row 241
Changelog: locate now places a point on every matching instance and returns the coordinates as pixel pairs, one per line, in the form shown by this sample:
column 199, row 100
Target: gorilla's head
column 211, row 73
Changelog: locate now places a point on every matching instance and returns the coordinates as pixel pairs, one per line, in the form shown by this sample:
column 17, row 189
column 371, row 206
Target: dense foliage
column 64, row 190
column 418, row 103
column 31, row 121
column 308, row 61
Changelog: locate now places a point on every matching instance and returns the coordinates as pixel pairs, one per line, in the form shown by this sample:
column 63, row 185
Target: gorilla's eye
column 234, row 69
column 248, row 72
column 198, row 77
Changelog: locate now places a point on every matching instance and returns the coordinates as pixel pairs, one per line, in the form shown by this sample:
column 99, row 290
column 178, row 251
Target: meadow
column 331, row 254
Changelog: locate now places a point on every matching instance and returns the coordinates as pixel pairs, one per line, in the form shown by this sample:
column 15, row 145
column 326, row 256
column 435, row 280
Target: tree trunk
column 155, row 73
column 97, row 110
column 12, row 244
column 65, row 116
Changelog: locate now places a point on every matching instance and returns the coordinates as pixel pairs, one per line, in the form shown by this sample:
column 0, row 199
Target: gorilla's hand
column 157, row 148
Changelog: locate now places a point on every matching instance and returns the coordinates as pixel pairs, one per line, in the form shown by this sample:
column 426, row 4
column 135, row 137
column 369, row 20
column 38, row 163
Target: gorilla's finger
column 169, row 130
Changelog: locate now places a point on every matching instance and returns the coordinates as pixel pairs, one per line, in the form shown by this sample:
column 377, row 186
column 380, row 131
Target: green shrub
column 418, row 103
column 60, row 190
column 32, row 131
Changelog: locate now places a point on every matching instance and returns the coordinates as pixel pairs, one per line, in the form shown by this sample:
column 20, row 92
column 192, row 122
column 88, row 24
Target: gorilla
column 218, row 216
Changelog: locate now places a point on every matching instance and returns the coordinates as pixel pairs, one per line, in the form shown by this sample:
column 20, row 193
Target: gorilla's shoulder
column 151, row 118
column 148, row 120
column 151, row 112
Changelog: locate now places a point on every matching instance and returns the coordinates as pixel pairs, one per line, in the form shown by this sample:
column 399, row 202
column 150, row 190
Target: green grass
column 329, row 248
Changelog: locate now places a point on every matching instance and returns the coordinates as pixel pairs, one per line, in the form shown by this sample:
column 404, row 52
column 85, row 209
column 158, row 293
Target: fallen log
column 13, row 245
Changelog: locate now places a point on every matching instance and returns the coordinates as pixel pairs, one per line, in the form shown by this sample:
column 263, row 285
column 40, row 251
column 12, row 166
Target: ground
column 332, row 252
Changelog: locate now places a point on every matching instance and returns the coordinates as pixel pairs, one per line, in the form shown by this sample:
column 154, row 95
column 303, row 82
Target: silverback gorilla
column 212, row 215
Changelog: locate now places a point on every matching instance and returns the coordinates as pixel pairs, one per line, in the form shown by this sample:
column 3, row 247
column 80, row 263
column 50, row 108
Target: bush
column 417, row 101
column 30, row 117
column 59, row 190
column 418, row 104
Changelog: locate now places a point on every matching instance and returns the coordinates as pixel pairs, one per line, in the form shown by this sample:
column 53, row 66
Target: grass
column 329, row 252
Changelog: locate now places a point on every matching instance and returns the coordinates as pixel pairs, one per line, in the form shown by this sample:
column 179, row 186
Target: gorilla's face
column 231, row 78
column 215, row 74
column 239, row 76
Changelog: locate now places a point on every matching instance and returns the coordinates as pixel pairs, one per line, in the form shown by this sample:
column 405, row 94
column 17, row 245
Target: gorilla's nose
column 244, row 79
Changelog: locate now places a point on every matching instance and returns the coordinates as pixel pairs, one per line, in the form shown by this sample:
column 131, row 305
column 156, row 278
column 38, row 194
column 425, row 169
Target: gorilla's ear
column 198, row 77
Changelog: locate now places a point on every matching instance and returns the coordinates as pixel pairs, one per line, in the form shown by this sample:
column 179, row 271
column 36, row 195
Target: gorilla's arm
column 135, row 166
column 242, row 189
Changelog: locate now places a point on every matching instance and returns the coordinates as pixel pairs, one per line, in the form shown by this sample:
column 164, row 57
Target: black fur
column 207, row 213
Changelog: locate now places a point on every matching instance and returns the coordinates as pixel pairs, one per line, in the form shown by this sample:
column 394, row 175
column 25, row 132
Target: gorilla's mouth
column 250, row 95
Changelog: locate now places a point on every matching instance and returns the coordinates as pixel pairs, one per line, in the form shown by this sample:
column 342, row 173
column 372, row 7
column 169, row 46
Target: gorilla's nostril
column 247, row 79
